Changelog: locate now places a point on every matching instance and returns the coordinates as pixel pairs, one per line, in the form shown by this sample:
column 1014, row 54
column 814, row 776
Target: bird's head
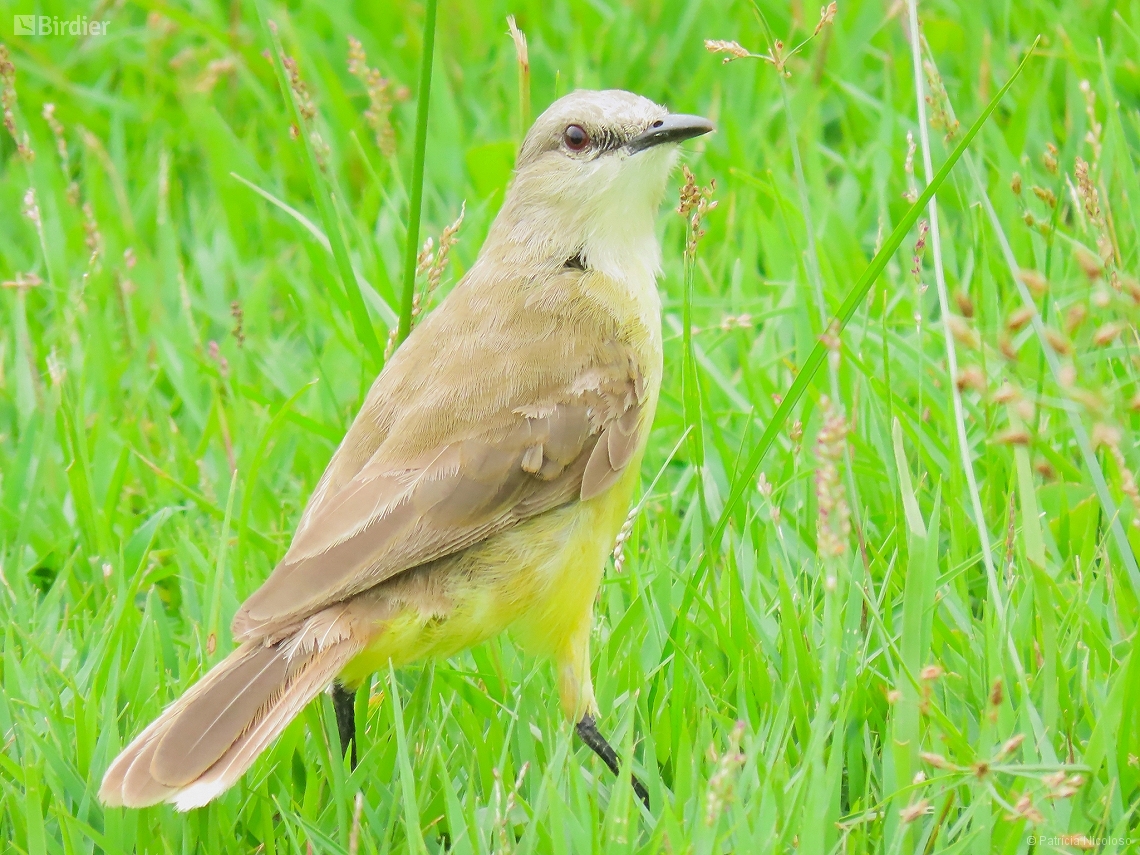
column 591, row 175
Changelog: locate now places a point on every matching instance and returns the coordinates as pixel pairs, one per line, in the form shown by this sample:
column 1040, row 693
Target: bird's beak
column 671, row 129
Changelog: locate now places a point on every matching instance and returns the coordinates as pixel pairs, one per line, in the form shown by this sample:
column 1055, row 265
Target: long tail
column 208, row 738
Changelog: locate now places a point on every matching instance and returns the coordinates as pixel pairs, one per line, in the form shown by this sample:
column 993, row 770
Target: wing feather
column 394, row 516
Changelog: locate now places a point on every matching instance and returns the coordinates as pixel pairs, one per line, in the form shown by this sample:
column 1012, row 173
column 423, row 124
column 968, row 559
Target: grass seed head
column 380, row 97
column 1062, row 785
column 970, row 377
column 964, row 303
column 1074, row 317
column 1024, row 809
column 518, row 37
column 1090, row 198
column 1130, row 286
column 1006, row 393
column 215, row 354
column 1034, row 281
column 1045, row 195
column 997, row 693
column 734, row 49
column 623, row 538
column 32, row 208
column 935, row 760
column 225, row 66
column 92, row 237
column 423, row 258
column 919, row 249
column 1058, row 341
column 307, row 109
column 736, row 322
column 8, row 105
column 22, row 282
column 826, row 16
column 1018, row 318
column 57, row 371
column 1010, row 745
column 1087, row 191
column 1095, row 130
column 931, row 673
column 305, row 105
column 764, row 486
column 1108, row 333
column 913, row 811
column 61, row 150
column 723, row 779
column 1105, row 435
column 834, row 522
column 1007, row 348
column 238, row 331
column 963, row 333
column 940, row 115
column 1090, row 265
column 911, row 194
column 1013, row 436
column 695, row 204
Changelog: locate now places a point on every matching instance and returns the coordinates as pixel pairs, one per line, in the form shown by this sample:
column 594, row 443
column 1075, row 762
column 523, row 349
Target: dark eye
column 575, row 137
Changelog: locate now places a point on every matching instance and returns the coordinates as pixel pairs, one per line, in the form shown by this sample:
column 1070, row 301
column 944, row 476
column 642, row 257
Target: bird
column 483, row 482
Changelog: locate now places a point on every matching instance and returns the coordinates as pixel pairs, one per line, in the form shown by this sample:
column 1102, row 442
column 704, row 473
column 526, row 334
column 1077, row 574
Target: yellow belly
column 539, row 579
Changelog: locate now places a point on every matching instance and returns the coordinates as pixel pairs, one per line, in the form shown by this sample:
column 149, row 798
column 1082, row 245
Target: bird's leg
column 344, row 703
column 588, row 731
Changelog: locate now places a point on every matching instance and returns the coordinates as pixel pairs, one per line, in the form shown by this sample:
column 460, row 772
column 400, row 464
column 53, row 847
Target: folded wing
column 570, row 443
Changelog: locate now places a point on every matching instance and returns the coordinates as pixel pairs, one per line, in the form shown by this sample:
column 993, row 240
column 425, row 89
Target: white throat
column 605, row 214
column 623, row 245
column 620, row 239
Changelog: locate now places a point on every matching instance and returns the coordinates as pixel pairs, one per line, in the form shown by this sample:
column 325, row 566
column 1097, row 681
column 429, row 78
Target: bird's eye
column 575, row 137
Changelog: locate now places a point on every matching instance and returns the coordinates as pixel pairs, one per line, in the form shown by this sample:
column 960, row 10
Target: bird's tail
column 206, row 740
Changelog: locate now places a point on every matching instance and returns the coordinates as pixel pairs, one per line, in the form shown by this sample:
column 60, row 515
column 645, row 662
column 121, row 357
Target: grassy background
column 153, row 461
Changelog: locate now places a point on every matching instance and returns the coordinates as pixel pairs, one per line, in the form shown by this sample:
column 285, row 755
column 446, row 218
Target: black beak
column 671, row 129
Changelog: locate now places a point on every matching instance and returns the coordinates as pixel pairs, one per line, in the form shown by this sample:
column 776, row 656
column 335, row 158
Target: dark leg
column 344, row 703
column 588, row 731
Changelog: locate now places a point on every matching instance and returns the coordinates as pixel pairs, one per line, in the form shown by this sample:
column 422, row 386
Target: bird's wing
column 567, row 443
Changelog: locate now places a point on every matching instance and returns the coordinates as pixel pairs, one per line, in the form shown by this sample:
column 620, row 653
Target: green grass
column 775, row 691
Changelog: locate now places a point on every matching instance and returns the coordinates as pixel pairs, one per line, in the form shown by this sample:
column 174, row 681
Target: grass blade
column 407, row 777
column 412, row 245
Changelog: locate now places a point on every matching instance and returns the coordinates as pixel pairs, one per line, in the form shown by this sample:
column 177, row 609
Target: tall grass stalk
column 412, row 243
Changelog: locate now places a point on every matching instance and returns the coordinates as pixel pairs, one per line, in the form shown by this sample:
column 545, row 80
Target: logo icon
column 48, row 25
